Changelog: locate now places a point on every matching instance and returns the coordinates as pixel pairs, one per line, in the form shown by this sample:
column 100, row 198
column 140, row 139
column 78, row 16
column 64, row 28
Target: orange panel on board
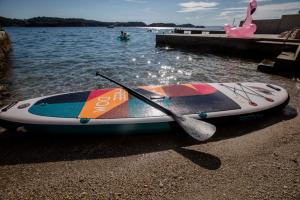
column 99, row 105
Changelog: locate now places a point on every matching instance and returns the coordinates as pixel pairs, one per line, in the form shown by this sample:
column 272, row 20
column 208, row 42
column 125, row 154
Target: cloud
column 229, row 15
column 193, row 6
column 236, row 9
column 136, row 1
column 247, row 1
column 267, row 11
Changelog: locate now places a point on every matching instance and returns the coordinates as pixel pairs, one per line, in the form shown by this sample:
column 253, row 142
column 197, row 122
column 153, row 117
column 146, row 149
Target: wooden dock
column 259, row 46
column 286, row 63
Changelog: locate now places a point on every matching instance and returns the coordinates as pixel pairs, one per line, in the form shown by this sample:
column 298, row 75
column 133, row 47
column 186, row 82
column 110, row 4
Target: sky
column 202, row 12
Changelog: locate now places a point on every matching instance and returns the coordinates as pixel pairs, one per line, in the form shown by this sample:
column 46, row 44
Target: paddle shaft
column 197, row 129
column 140, row 96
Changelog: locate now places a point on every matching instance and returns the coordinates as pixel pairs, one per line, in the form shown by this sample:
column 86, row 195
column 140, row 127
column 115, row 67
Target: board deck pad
column 116, row 103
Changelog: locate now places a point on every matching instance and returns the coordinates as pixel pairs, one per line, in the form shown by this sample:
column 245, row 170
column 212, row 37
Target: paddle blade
column 198, row 129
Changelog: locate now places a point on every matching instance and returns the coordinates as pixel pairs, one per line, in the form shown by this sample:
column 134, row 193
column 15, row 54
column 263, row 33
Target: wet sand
column 253, row 160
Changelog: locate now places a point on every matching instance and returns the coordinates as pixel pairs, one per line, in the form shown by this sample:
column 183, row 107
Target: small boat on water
column 110, row 26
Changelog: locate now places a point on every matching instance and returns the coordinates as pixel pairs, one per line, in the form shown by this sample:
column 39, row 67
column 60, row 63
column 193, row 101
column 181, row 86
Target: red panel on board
column 179, row 90
column 97, row 93
column 204, row 88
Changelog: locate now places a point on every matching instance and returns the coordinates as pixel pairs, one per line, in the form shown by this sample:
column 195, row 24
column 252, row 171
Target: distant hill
column 162, row 25
column 77, row 22
column 174, row 25
column 190, row 26
column 11, row 22
column 63, row 22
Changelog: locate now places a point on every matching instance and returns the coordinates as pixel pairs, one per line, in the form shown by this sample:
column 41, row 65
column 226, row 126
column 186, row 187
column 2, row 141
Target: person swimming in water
column 124, row 36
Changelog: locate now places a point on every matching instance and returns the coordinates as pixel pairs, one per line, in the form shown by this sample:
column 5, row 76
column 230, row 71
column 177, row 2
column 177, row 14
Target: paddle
column 197, row 129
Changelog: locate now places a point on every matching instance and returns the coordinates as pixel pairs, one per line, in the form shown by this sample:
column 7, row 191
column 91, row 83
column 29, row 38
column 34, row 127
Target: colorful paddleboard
column 117, row 111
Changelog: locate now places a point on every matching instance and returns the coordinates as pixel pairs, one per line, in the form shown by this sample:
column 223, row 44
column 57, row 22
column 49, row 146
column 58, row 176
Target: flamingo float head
column 248, row 28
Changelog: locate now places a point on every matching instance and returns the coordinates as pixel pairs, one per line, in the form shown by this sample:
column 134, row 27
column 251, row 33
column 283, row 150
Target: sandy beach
column 253, row 160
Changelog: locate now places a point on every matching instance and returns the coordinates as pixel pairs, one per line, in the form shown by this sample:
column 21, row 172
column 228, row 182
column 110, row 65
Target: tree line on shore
column 77, row 22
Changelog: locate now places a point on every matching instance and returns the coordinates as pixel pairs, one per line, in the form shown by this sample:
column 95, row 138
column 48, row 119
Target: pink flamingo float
column 247, row 29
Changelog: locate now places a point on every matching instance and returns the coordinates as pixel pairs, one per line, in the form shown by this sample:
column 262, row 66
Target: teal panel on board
column 62, row 110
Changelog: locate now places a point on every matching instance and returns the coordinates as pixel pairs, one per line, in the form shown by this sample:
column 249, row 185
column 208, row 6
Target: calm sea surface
column 55, row 60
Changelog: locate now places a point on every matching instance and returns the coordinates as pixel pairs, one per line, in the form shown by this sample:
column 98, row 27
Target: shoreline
column 5, row 46
column 250, row 160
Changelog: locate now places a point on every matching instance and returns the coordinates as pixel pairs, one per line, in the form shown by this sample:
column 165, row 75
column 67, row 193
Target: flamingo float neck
column 250, row 10
column 248, row 28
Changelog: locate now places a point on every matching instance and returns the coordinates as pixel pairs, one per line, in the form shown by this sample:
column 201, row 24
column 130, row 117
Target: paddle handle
column 140, row 96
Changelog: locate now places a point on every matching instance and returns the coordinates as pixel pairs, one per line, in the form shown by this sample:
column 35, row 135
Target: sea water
column 46, row 61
